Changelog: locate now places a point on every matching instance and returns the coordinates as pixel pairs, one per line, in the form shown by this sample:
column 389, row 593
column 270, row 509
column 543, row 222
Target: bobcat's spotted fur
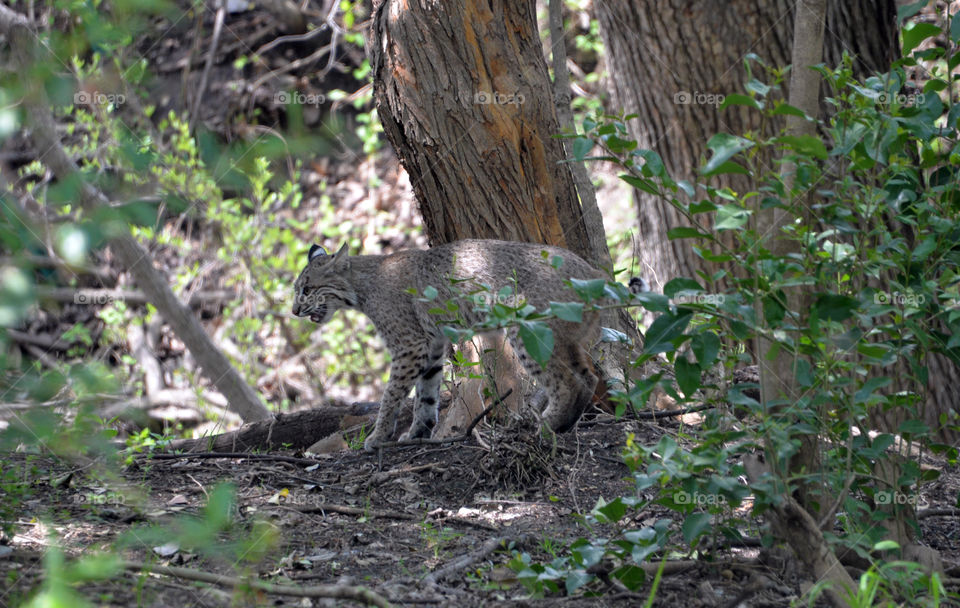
column 380, row 286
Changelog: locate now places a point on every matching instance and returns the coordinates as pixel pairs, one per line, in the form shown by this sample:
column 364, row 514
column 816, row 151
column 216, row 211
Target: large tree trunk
column 464, row 96
column 702, row 57
column 668, row 57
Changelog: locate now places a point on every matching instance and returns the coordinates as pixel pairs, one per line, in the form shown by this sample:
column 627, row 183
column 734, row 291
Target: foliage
column 874, row 203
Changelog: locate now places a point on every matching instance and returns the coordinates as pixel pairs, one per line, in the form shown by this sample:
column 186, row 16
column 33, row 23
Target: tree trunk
column 703, row 57
column 670, row 60
column 464, row 96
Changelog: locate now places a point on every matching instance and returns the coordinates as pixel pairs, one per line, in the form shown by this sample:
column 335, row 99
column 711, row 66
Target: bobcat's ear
column 342, row 253
column 315, row 252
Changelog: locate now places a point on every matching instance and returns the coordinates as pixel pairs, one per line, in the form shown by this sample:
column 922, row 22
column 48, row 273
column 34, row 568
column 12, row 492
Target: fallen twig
column 346, row 510
column 347, row 592
column 457, row 564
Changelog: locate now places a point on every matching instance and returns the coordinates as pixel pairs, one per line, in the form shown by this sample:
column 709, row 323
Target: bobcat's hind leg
column 428, row 392
column 569, row 381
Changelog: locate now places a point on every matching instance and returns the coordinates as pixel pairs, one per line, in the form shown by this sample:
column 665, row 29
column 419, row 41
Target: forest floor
column 387, row 521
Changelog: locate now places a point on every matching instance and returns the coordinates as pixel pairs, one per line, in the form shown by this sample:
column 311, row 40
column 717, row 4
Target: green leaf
column 738, row 99
column 608, row 334
column 613, row 511
column 568, row 311
column 641, row 183
column 688, row 376
column 835, row 307
column 909, row 10
column 706, row 347
column 724, row 147
column 430, row 292
column 863, row 395
column 664, row 330
column 537, row 340
column 576, row 579
column 631, row 576
column 914, row 33
column 652, row 163
column 685, row 232
column 694, row 525
column 955, row 29
column 804, row 144
column 786, row 109
column 582, row 147
column 731, row 217
column 925, row 248
column 702, row 207
column 681, row 284
column 591, row 289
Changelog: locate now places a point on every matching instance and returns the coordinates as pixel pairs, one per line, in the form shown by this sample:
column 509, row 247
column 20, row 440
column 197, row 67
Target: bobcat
column 381, row 287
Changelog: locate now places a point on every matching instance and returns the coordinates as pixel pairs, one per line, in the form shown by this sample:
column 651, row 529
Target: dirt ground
column 387, row 521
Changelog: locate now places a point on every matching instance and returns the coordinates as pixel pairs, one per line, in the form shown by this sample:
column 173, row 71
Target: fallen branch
column 347, row 510
column 465, row 561
column 346, row 592
column 238, row 455
column 294, row 430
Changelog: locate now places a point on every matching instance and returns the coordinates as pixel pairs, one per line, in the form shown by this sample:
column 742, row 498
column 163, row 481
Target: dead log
column 294, row 430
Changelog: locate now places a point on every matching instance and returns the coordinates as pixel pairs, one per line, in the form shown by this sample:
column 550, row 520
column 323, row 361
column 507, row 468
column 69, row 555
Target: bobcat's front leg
column 398, row 387
column 428, row 391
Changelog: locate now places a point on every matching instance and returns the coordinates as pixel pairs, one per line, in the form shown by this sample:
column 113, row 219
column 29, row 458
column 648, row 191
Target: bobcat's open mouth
column 317, row 316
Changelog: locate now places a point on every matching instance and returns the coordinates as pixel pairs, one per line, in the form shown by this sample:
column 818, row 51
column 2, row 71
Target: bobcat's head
column 322, row 287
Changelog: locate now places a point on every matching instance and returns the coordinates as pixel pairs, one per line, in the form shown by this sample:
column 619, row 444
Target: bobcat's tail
column 639, row 285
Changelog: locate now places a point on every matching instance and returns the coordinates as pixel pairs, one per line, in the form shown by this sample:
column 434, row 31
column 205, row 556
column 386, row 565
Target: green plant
column 875, row 207
column 436, row 537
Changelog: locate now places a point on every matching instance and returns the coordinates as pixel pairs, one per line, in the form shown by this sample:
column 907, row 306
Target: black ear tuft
column 639, row 285
column 316, row 251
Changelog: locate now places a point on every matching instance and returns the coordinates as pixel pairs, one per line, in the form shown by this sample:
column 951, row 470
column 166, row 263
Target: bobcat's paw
column 424, row 432
column 373, row 441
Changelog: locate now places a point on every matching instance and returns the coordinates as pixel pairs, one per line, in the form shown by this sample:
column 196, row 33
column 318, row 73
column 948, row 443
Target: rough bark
column 464, row 96
column 667, row 57
column 703, row 55
column 243, row 400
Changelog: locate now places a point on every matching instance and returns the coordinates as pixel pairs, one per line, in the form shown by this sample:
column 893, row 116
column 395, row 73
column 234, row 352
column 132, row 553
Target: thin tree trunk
column 241, row 397
column 777, row 366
